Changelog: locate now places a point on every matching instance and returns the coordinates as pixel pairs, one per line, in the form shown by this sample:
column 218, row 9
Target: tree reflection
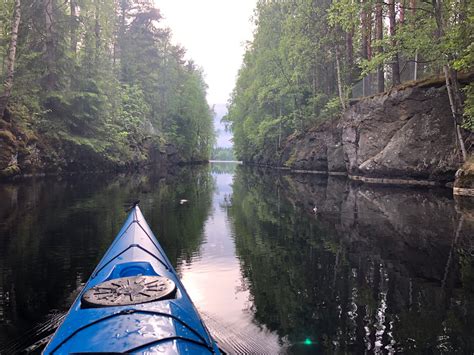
column 368, row 272
column 55, row 231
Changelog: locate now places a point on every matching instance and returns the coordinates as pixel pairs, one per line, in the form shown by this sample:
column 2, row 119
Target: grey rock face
column 405, row 133
column 319, row 149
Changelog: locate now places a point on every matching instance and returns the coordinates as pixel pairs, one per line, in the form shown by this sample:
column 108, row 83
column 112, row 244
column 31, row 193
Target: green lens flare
column 308, row 341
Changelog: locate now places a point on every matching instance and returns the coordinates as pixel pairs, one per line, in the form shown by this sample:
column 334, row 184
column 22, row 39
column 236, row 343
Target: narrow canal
column 275, row 263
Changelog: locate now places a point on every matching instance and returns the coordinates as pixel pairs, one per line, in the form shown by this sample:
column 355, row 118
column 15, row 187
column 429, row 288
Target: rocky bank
column 26, row 151
column 464, row 184
column 404, row 136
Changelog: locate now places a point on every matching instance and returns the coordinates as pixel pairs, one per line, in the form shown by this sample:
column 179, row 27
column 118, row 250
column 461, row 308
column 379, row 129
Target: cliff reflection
column 375, row 269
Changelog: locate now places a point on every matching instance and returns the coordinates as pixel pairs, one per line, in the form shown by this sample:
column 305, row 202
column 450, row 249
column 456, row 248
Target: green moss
column 291, row 159
column 7, row 137
column 95, row 145
column 10, row 171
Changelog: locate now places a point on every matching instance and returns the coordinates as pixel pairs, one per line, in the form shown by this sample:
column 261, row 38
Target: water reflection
column 54, row 232
column 375, row 269
column 215, row 283
column 276, row 263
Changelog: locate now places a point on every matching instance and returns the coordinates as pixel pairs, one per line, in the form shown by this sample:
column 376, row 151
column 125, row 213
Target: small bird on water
column 183, row 201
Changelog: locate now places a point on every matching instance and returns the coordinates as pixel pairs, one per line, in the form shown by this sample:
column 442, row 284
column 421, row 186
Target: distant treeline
column 220, row 153
column 306, row 56
column 103, row 73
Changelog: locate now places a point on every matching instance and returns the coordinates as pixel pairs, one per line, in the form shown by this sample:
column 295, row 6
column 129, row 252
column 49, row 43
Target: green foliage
column 223, row 154
column 469, row 107
column 306, row 55
column 436, row 33
column 133, row 110
column 287, row 78
column 331, row 109
column 464, row 36
column 106, row 71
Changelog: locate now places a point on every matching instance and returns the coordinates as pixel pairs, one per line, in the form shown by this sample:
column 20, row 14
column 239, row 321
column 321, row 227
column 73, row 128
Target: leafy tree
column 225, row 154
column 289, row 75
column 106, row 71
column 306, row 56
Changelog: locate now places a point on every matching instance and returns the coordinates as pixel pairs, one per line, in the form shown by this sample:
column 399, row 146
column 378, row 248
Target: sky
column 214, row 33
column 223, row 136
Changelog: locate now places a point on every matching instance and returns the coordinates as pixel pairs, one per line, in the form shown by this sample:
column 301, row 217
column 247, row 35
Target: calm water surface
column 375, row 269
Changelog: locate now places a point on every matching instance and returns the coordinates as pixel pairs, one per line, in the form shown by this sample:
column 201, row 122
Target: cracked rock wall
column 407, row 133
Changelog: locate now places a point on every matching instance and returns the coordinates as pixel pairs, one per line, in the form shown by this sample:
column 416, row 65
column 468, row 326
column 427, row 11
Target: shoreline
column 394, row 181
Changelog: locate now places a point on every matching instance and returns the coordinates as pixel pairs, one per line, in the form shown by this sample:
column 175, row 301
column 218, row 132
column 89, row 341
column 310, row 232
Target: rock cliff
column 406, row 135
column 319, row 150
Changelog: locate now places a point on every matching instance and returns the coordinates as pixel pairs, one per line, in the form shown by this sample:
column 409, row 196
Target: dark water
column 376, row 269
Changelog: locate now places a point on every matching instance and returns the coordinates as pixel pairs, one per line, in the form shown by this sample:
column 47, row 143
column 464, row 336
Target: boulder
column 464, row 183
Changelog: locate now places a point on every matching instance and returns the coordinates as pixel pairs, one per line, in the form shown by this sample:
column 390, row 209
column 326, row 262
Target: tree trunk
column 439, row 18
column 364, row 41
column 340, row 88
column 97, row 32
column 392, row 32
column 121, row 36
column 350, row 54
column 452, row 86
column 279, row 128
column 379, row 37
column 402, row 11
column 452, row 83
column 8, row 84
column 50, row 80
column 415, row 69
column 413, row 7
column 369, row 34
column 413, row 14
column 73, row 13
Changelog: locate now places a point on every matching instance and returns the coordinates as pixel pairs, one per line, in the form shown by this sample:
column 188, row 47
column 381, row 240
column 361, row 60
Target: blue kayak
column 134, row 302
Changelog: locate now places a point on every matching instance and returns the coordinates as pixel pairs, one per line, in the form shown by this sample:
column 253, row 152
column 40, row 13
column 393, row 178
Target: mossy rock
column 291, row 160
column 464, row 186
column 7, row 137
column 10, row 171
column 5, row 125
column 465, row 175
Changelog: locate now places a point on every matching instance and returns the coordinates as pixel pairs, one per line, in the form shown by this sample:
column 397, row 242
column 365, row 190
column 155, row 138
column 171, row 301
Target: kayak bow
column 134, row 302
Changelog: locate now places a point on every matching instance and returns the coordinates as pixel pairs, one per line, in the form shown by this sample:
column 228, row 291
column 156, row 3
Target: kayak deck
column 134, row 302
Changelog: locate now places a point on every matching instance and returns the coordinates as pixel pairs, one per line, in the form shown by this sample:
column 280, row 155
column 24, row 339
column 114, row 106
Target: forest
column 308, row 59
column 100, row 75
column 221, row 153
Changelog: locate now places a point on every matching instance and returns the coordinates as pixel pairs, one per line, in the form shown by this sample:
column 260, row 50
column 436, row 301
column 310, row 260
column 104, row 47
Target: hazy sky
column 214, row 33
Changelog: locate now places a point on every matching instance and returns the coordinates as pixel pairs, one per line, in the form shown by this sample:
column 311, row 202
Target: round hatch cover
column 128, row 290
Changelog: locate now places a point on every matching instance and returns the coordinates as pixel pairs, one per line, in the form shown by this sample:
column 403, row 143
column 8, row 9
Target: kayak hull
column 108, row 319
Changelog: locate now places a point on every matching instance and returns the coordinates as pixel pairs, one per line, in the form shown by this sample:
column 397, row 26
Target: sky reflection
column 214, row 280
